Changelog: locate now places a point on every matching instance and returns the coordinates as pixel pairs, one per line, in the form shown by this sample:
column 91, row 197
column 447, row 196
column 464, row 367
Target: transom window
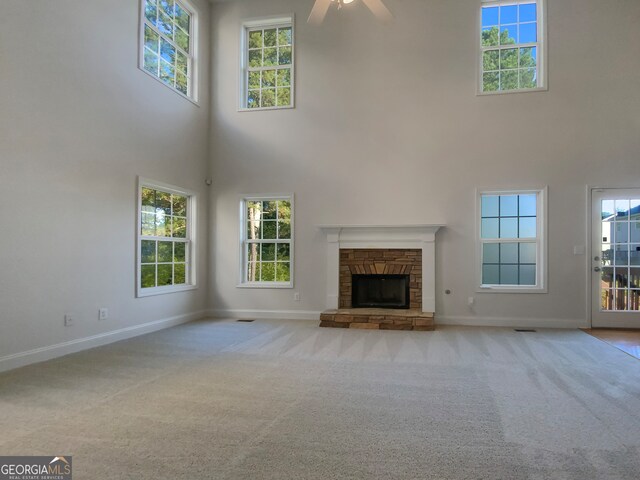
column 511, row 240
column 168, row 29
column 267, row 232
column 511, row 45
column 268, row 65
column 165, row 239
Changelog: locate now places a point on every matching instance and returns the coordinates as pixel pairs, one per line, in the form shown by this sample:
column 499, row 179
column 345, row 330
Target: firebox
column 380, row 291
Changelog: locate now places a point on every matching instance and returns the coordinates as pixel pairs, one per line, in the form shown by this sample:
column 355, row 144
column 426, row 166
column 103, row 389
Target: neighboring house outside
column 621, row 260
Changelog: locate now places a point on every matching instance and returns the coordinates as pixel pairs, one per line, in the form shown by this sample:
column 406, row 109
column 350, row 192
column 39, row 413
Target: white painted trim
column 440, row 320
column 421, row 237
column 589, row 244
column 266, row 314
column 264, row 22
column 543, row 50
column 598, row 318
column 513, row 322
column 191, row 240
column 242, row 283
column 588, row 251
column 262, row 285
column 509, row 92
column 36, row 355
column 542, row 241
column 195, row 37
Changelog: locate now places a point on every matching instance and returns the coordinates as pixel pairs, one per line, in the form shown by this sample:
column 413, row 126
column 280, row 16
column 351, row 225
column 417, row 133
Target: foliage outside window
column 511, row 240
column 168, row 43
column 165, row 241
column 511, row 45
column 267, row 241
column 268, row 65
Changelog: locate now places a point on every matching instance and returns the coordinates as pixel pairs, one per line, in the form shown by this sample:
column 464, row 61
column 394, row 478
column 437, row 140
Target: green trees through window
column 168, row 43
column 164, row 238
column 268, row 240
column 269, row 61
column 510, row 46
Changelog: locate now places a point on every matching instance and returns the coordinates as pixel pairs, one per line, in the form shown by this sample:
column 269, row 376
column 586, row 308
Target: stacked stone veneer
column 378, row 319
column 381, row 262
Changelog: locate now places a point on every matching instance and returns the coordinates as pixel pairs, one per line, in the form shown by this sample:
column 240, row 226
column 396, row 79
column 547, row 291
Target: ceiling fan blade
column 379, row 9
column 319, row 11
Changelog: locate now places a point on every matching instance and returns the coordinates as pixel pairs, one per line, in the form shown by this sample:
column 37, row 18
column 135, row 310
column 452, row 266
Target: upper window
column 165, row 239
column 267, row 64
column 168, row 30
column 512, row 242
column 267, row 241
column 511, row 45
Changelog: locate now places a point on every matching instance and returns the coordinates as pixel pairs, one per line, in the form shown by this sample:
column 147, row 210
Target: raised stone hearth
column 378, row 319
column 403, row 254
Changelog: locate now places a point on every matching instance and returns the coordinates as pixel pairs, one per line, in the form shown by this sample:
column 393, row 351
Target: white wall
column 388, row 129
column 78, row 123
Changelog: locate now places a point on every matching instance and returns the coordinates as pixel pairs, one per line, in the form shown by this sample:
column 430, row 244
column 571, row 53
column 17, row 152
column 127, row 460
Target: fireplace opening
column 380, row 291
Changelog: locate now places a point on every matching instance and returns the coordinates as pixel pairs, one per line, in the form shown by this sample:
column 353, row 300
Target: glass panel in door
column 616, row 260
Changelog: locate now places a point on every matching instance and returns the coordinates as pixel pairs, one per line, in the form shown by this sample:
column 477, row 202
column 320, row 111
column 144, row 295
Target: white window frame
column 192, row 69
column 254, row 24
column 541, row 241
column 191, row 274
column 243, row 283
column 541, row 45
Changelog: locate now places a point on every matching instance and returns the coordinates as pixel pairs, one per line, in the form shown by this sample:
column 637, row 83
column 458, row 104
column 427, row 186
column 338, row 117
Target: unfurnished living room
column 320, row 239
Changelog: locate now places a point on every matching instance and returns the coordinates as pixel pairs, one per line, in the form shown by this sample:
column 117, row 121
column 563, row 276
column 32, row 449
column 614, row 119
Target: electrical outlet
column 68, row 321
column 103, row 314
column 296, row 297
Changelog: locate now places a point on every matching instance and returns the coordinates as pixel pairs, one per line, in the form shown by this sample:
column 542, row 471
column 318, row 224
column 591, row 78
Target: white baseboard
column 512, row 322
column 440, row 319
column 42, row 354
column 267, row 314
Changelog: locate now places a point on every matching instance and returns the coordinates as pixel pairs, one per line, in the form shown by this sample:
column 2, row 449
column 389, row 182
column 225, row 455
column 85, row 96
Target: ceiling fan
column 321, row 8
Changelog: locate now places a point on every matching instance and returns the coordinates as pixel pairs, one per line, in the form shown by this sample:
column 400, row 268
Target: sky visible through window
column 514, row 219
column 509, row 47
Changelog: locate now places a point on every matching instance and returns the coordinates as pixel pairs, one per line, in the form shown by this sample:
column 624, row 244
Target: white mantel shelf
column 418, row 236
column 357, row 227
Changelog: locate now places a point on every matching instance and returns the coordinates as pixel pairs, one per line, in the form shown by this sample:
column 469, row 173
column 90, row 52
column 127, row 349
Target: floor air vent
column 525, row 330
column 246, row 320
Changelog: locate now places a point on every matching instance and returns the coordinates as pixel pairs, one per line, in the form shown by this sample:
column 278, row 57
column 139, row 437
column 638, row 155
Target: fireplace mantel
column 421, row 236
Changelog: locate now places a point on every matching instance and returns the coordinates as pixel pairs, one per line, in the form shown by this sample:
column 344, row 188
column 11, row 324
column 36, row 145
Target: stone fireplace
column 381, row 263
column 380, row 277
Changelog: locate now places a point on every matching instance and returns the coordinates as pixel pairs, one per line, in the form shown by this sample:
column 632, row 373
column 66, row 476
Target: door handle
column 596, row 269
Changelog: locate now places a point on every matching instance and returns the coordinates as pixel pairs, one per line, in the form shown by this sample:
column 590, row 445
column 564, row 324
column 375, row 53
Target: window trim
column 263, row 22
column 543, row 77
column 194, row 34
column 541, row 241
column 242, row 282
column 191, row 239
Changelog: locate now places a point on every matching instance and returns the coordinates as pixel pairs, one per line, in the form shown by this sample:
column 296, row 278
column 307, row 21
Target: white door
column 615, row 258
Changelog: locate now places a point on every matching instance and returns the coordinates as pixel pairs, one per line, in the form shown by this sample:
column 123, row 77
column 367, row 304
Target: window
column 512, row 240
column 165, row 239
column 267, row 241
column 511, row 39
column 168, row 44
column 267, row 64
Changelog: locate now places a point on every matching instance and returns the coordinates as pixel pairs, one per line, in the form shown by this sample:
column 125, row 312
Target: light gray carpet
column 288, row 400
